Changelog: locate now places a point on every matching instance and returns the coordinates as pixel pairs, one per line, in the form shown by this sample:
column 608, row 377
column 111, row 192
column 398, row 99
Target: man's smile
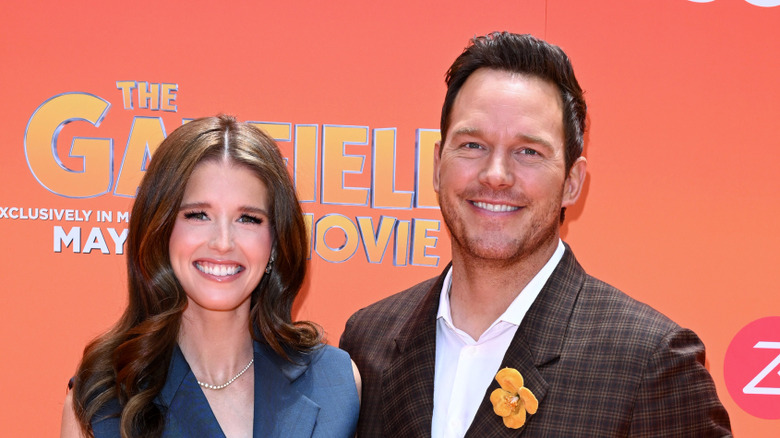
column 497, row 208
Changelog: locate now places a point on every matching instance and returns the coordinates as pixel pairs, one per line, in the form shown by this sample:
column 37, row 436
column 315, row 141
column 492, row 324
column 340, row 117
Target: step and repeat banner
column 679, row 208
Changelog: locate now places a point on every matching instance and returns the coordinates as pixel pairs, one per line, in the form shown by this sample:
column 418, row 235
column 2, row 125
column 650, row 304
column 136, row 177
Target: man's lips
column 218, row 269
column 496, row 208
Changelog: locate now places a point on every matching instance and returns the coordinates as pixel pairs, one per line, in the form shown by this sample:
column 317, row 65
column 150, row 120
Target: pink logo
column 762, row 3
column 752, row 368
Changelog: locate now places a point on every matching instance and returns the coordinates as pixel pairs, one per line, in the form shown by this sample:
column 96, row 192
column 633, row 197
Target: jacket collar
column 188, row 411
column 538, row 342
column 280, row 409
column 408, row 380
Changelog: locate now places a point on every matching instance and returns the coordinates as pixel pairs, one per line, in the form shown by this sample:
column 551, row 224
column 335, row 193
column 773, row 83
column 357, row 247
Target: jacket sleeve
column 677, row 396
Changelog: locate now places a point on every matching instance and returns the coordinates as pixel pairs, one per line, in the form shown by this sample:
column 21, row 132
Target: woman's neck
column 217, row 345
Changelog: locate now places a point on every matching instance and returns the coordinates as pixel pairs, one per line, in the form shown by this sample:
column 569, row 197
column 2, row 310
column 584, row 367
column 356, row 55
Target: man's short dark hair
column 527, row 55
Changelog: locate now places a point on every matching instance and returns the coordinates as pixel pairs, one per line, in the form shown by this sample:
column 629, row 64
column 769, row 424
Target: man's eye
column 248, row 219
column 472, row 145
column 527, row 151
column 197, row 215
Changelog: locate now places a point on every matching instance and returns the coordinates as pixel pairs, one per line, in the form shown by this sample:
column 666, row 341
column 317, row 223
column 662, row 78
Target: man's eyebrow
column 466, row 130
column 535, row 140
column 527, row 138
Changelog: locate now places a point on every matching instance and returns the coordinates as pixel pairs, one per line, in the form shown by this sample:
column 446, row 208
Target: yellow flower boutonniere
column 512, row 400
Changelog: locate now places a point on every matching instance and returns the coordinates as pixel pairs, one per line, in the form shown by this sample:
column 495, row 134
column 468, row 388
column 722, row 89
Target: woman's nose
column 222, row 237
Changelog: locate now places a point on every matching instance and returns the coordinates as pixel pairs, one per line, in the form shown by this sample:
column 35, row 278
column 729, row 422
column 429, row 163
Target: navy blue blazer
column 314, row 398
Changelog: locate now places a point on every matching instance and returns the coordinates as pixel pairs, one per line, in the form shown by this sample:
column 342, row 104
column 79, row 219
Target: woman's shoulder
column 327, row 355
column 322, row 355
column 331, row 383
column 322, row 365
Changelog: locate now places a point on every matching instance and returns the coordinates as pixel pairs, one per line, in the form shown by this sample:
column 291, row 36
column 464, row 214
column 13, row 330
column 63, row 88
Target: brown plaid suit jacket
column 600, row 363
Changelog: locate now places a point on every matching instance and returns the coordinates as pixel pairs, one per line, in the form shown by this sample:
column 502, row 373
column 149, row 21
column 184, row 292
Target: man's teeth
column 218, row 270
column 495, row 207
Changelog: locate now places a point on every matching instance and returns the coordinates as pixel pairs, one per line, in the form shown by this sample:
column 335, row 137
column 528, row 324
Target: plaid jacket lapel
column 408, row 380
column 538, row 341
column 486, row 422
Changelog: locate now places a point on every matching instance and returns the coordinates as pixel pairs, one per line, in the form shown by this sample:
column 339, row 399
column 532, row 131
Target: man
column 597, row 362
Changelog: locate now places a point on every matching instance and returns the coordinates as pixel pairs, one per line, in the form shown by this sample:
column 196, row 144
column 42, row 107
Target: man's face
column 501, row 174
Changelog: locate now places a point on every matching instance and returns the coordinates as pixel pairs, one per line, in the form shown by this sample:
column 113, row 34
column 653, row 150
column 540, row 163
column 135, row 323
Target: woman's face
column 221, row 240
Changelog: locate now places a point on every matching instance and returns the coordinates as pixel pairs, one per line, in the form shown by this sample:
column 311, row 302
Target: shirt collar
column 517, row 309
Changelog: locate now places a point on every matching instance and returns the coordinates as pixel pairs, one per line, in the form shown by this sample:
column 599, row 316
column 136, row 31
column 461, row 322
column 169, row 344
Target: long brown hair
column 129, row 363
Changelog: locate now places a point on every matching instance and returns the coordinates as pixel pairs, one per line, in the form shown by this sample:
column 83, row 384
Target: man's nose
column 497, row 172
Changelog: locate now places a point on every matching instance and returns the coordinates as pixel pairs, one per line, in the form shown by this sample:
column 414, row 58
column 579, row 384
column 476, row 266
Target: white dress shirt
column 465, row 367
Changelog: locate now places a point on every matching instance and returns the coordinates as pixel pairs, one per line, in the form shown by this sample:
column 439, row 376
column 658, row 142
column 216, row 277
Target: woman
column 216, row 254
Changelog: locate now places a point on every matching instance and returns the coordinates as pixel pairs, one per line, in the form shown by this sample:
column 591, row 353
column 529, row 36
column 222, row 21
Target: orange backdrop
column 680, row 201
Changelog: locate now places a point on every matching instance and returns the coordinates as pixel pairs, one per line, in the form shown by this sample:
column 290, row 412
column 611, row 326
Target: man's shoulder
column 600, row 303
column 604, row 303
column 397, row 307
column 385, row 319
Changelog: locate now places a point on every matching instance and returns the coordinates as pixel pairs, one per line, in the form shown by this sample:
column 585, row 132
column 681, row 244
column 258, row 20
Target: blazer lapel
column 408, row 381
column 537, row 342
column 280, row 409
column 189, row 413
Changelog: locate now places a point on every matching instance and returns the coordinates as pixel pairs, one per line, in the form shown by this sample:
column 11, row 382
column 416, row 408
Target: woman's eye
column 247, row 219
column 197, row 215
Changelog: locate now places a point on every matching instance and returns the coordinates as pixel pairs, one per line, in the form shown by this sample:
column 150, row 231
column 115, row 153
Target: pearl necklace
column 226, row 384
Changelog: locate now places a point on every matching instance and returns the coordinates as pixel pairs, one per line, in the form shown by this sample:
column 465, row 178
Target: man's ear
column 436, row 160
column 572, row 187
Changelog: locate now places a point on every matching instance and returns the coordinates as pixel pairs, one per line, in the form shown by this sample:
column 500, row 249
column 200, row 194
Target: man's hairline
column 559, row 94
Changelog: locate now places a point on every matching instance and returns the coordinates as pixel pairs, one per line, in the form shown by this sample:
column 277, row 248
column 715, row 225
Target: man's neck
column 482, row 290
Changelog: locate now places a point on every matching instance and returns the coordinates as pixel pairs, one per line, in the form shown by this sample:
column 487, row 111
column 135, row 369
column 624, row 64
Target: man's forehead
column 491, row 99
